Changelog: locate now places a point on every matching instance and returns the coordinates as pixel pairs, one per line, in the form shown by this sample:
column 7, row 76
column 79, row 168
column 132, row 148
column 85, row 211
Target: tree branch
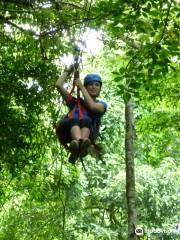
column 45, row 33
column 165, row 23
column 30, row 31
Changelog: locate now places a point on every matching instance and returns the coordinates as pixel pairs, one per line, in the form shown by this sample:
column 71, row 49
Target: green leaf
column 155, row 23
column 117, row 79
column 134, row 85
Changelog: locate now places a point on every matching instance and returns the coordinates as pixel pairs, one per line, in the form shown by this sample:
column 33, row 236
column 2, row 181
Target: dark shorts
column 64, row 126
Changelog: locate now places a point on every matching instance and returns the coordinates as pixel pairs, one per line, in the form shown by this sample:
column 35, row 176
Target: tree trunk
column 130, row 172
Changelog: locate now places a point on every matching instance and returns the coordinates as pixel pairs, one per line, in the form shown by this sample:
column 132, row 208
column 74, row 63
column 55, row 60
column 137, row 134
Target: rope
column 84, row 23
column 77, row 51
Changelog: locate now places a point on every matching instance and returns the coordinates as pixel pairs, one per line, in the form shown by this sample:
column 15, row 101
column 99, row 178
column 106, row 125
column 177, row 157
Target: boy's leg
column 75, row 132
column 80, row 142
column 80, row 131
column 74, row 150
column 85, row 133
column 84, row 147
column 85, row 125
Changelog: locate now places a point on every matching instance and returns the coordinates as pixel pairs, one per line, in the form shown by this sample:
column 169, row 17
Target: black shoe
column 74, row 150
column 84, row 146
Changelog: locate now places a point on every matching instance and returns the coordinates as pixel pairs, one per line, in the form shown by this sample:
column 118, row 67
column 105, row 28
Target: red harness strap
column 81, row 109
column 72, row 90
column 78, row 104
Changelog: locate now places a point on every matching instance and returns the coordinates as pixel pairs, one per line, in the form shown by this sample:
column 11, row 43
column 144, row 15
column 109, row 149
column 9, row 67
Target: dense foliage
column 42, row 195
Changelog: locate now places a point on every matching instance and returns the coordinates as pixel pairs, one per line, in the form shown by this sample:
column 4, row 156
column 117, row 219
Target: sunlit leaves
column 42, row 195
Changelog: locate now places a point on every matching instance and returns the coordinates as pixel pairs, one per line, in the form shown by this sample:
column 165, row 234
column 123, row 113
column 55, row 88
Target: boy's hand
column 71, row 68
column 78, row 83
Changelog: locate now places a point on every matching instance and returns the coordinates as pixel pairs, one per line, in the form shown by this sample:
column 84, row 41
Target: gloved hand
column 71, row 68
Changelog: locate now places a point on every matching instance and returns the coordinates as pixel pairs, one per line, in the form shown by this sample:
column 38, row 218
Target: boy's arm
column 60, row 83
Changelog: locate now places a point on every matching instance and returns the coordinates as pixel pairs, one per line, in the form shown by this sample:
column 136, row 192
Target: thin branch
column 165, row 22
column 45, row 33
column 5, row 20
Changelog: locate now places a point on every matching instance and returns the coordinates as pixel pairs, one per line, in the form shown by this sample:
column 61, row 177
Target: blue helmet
column 92, row 78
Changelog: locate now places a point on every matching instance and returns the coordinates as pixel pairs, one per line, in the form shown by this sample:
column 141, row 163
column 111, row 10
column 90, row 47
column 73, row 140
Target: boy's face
column 93, row 88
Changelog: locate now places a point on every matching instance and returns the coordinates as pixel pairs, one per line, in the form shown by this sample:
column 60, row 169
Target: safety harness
column 78, row 103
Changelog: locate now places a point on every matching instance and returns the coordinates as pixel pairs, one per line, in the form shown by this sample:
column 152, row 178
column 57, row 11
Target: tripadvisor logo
column 139, row 231
column 173, row 230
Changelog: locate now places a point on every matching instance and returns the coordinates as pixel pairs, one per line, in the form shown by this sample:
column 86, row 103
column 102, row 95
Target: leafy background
column 42, row 195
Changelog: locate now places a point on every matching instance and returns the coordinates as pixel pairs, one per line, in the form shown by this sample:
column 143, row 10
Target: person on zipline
column 81, row 125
